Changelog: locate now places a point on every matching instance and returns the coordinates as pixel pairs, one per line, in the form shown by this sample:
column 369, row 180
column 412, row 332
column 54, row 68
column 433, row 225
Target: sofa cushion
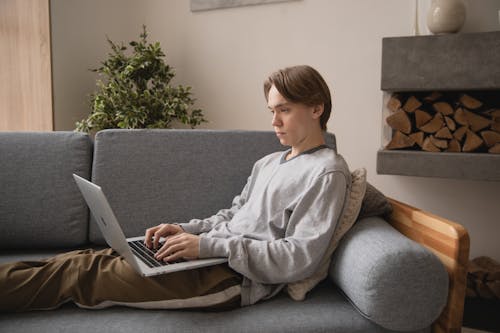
column 325, row 310
column 11, row 255
column 40, row 205
column 375, row 203
column 389, row 278
column 298, row 290
column 172, row 176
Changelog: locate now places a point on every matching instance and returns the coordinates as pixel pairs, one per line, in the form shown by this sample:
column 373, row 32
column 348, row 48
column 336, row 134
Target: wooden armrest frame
column 450, row 242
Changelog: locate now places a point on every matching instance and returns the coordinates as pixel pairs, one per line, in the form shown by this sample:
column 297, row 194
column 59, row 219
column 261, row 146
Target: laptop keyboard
column 147, row 255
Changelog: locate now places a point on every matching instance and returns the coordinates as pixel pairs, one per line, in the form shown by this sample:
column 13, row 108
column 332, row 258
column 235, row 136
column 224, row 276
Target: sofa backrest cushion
column 40, row 204
column 172, row 176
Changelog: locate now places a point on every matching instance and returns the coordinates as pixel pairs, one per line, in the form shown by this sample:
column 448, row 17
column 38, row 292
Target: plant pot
column 446, row 16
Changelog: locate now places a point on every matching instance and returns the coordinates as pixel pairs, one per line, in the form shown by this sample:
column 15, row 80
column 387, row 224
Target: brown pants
column 99, row 279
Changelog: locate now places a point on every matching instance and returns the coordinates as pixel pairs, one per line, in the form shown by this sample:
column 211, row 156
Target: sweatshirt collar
column 309, row 151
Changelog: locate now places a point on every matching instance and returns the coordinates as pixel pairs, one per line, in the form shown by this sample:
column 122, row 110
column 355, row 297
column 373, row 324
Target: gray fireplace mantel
column 455, row 62
column 470, row 166
column 469, row 61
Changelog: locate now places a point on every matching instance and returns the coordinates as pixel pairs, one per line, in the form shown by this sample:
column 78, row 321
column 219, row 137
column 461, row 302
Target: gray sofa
column 379, row 281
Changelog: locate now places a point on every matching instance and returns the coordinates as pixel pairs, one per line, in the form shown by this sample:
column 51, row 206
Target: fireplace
column 441, row 106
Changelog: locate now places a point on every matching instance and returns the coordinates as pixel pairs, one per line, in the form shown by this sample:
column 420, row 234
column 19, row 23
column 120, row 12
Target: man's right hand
column 154, row 234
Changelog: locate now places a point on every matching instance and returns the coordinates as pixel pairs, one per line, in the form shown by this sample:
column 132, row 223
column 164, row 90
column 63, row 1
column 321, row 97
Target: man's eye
column 285, row 110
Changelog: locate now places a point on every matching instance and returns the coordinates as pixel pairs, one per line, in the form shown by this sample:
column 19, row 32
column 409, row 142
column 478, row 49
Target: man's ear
column 318, row 111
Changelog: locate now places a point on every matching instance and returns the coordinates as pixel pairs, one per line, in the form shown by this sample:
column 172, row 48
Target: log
column 450, row 123
column 491, row 138
column 412, row 103
column 495, row 119
column 494, row 114
column 470, row 102
column 399, row 121
column 394, row 104
column 443, row 108
column 476, row 122
column 459, row 133
column 444, row 133
column 400, row 140
column 460, row 117
column 453, row 146
column 418, row 137
column 421, row 118
column 495, row 126
column 433, row 96
column 443, row 144
column 434, row 125
column 472, row 141
column 443, row 123
column 429, row 146
column 495, row 149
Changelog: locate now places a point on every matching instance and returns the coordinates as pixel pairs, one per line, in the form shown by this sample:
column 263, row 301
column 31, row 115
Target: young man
column 276, row 231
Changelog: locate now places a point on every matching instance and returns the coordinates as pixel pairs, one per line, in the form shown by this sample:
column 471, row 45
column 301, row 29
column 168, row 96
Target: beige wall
column 79, row 30
column 225, row 55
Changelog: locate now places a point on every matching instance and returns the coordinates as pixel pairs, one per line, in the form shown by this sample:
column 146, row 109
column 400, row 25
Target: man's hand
column 180, row 246
column 153, row 235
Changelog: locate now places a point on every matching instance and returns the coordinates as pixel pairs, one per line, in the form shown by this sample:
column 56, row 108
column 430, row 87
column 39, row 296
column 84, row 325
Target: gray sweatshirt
column 279, row 227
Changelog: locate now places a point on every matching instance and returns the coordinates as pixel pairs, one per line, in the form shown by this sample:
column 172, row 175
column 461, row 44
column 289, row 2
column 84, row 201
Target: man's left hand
column 179, row 246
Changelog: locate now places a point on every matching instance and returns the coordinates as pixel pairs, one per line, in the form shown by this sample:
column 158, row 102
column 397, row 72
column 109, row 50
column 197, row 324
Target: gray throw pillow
column 374, row 203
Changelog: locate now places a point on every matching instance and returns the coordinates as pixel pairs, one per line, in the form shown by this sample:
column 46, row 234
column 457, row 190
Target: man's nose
column 276, row 120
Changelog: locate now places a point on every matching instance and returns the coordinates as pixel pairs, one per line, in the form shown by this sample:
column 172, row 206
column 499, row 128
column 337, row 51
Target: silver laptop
column 132, row 249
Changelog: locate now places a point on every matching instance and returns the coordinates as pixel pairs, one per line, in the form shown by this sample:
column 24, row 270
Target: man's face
column 292, row 122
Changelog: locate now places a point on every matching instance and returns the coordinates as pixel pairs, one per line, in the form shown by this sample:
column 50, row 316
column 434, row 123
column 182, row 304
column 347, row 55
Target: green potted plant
column 137, row 93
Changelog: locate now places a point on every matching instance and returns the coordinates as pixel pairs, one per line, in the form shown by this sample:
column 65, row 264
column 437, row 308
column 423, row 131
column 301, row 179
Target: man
column 276, row 231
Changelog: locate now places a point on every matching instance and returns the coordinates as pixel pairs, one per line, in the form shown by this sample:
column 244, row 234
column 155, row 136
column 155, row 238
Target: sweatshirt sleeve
column 312, row 222
column 198, row 226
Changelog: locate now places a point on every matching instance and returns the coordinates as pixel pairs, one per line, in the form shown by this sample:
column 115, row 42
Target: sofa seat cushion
column 8, row 256
column 40, row 204
column 325, row 310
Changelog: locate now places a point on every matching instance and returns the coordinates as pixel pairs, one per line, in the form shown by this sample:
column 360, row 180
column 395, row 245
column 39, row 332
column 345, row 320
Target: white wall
column 226, row 54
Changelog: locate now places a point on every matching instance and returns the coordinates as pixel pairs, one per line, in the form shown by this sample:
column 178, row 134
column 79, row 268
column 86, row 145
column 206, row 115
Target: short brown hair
column 302, row 84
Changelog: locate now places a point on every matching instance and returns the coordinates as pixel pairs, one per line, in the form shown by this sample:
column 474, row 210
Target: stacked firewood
column 444, row 121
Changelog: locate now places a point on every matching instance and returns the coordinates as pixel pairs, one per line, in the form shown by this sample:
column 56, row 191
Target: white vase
column 446, row 16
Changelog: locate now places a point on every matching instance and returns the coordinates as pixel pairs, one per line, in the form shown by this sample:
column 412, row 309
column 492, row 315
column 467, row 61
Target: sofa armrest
column 390, row 279
column 450, row 242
